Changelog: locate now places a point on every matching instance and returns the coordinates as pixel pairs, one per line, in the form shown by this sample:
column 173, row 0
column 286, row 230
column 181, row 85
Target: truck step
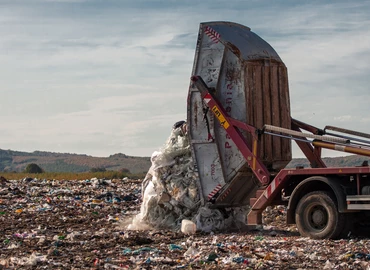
column 259, row 192
column 254, row 218
column 252, row 201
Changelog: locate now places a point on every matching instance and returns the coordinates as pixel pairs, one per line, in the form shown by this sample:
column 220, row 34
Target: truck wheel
column 317, row 216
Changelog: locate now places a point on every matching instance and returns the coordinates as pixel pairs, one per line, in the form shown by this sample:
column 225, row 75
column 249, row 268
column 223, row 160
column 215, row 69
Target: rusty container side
column 267, row 99
column 250, row 81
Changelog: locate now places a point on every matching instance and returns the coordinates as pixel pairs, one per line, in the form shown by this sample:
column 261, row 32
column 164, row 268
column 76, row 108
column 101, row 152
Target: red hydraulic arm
column 231, row 126
column 313, row 154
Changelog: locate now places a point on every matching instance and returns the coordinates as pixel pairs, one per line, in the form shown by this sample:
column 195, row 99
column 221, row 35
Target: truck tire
column 317, row 216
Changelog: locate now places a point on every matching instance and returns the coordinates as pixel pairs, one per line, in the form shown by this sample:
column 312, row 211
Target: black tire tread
column 335, row 228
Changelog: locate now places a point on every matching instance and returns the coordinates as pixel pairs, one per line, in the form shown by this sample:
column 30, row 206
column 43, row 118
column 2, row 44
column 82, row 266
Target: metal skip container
column 251, row 83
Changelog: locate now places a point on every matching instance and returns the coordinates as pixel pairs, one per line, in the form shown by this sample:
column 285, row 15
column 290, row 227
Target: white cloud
column 103, row 77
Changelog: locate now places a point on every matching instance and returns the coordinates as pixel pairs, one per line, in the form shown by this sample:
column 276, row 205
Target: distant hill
column 347, row 161
column 64, row 162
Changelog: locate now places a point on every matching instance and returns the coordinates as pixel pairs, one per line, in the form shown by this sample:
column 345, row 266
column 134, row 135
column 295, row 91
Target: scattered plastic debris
column 76, row 224
column 88, row 224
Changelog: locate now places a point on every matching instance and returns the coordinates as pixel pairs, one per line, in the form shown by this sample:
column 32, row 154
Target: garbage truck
column 241, row 131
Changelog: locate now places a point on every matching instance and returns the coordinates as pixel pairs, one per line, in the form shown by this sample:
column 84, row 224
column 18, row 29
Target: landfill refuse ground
column 155, row 223
column 82, row 225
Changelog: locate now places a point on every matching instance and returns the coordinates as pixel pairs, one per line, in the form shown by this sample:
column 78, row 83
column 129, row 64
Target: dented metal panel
column 239, row 38
column 230, row 91
column 207, row 63
column 250, row 82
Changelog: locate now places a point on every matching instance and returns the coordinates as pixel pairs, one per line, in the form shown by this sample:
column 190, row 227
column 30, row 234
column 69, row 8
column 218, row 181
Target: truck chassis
column 323, row 202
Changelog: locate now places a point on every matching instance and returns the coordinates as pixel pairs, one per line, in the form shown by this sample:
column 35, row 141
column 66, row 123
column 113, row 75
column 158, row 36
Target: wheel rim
column 317, row 217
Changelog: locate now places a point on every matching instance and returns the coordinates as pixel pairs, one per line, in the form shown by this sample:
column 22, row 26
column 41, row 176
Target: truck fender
column 314, row 183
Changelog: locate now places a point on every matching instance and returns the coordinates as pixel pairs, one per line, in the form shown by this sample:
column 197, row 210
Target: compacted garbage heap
column 171, row 193
column 225, row 165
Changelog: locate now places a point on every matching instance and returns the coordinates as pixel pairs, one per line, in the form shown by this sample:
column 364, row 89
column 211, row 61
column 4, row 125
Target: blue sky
column 103, row 77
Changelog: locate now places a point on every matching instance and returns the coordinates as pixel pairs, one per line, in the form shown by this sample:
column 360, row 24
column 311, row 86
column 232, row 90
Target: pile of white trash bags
column 171, row 197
